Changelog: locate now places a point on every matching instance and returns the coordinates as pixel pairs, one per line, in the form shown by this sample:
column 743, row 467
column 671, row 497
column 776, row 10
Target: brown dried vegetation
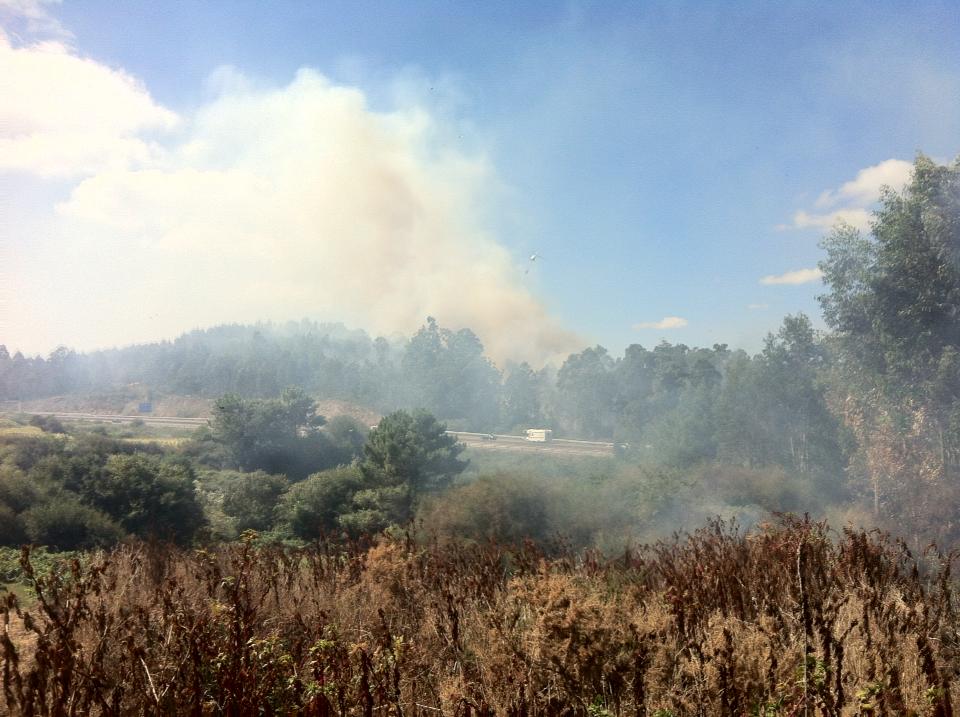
column 784, row 620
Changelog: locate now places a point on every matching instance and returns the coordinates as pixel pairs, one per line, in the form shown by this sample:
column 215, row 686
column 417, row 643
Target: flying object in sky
column 533, row 258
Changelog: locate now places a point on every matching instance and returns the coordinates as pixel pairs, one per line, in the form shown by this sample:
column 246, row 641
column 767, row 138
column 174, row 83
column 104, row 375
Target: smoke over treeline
column 265, row 202
column 642, row 397
column 863, row 418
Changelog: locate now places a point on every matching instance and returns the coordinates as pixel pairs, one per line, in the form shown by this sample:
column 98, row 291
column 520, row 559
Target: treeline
column 671, row 405
column 641, row 398
column 253, row 361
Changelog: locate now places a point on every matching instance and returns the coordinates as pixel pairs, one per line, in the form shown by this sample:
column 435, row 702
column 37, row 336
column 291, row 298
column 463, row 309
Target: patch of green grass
column 43, row 561
column 18, row 430
column 25, row 596
column 168, row 442
column 545, row 464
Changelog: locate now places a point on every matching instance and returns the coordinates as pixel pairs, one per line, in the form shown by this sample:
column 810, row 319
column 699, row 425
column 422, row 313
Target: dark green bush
column 64, row 523
column 12, row 530
column 314, row 506
column 251, row 498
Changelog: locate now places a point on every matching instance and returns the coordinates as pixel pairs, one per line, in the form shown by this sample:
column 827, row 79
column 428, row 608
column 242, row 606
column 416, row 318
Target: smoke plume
column 270, row 203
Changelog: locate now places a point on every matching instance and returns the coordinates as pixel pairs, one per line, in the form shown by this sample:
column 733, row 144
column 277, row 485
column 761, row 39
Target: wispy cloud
column 859, row 218
column 667, row 322
column 35, row 15
column 852, row 202
column 758, row 307
column 797, row 276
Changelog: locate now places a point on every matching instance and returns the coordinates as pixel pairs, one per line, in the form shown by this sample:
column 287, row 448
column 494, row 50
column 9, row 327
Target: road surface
column 499, row 442
column 478, row 441
column 114, row 418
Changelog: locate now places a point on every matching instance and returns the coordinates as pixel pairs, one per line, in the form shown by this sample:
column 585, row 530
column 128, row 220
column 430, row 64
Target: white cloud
column 864, row 189
column 281, row 203
column 667, row 322
column 65, row 115
column 758, row 307
column 798, row 276
column 859, row 218
column 853, row 201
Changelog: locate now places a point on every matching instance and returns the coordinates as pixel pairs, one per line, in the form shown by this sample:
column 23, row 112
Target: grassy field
column 7, row 430
column 545, row 464
column 145, row 434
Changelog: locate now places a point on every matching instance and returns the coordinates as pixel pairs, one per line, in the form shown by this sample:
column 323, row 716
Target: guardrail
column 561, row 441
column 74, row 416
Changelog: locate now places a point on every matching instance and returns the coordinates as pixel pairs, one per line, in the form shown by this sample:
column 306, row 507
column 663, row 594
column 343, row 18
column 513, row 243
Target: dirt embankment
column 332, row 407
column 118, row 403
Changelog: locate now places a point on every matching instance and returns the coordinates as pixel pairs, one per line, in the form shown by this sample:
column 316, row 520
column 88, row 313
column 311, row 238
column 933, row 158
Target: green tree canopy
column 406, row 456
column 148, row 496
column 448, row 375
column 251, row 498
column 520, row 399
column 64, row 523
column 893, row 302
column 274, row 435
column 893, row 298
column 316, row 506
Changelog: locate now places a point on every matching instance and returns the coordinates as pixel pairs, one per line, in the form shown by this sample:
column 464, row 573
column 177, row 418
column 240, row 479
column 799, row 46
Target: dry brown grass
column 783, row 621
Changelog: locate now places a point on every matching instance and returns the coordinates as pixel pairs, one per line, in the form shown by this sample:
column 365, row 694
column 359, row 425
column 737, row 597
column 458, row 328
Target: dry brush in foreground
column 784, row 620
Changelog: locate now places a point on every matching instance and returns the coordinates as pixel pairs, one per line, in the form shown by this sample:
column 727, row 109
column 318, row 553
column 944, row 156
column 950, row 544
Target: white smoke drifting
column 278, row 203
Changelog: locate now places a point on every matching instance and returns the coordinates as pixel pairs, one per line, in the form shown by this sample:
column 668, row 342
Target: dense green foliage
column 251, row 499
column 273, row 435
column 405, row 457
column 323, row 504
column 90, row 491
column 86, row 490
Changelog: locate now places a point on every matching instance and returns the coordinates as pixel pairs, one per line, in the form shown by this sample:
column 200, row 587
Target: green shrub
column 47, row 424
column 17, row 491
column 502, row 507
column 148, row 496
column 251, row 498
column 64, row 523
column 315, row 506
column 44, row 562
column 12, row 530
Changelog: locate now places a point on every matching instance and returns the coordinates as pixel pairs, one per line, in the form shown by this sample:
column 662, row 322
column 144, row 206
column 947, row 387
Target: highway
column 111, row 418
column 500, row 442
column 478, row 441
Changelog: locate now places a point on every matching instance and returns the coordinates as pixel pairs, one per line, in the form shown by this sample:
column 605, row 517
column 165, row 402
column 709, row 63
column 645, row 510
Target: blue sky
column 662, row 158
